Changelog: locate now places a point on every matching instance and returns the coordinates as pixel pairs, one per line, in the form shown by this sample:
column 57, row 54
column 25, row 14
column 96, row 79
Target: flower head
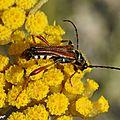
column 26, row 4
column 14, row 74
column 84, row 106
column 4, row 60
column 17, row 116
column 5, row 34
column 17, row 97
column 53, row 77
column 13, row 18
column 37, row 90
column 64, row 117
column 57, row 104
column 36, row 23
column 4, row 4
column 36, row 113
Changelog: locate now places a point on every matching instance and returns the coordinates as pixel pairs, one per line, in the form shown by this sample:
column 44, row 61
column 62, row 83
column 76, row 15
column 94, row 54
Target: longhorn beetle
column 60, row 54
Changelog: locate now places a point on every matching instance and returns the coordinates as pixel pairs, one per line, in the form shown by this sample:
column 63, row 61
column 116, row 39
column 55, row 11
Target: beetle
column 60, row 54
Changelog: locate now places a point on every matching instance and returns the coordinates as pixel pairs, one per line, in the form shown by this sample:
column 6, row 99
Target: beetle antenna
column 75, row 31
column 100, row 66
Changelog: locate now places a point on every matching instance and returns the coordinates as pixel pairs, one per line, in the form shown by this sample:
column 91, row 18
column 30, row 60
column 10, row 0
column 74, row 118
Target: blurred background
column 98, row 23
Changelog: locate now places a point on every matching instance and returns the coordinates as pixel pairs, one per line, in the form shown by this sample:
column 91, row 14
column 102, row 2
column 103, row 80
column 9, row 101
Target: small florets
column 4, row 4
column 64, row 117
column 37, row 90
column 2, row 97
column 36, row 113
column 57, row 104
column 4, row 60
column 17, row 116
column 84, row 106
column 26, row 4
column 5, row 34
column 17, row 97
column 36, row 23
column 74, row 85
column 13, row 18
column 53, row 77
column 14, row 74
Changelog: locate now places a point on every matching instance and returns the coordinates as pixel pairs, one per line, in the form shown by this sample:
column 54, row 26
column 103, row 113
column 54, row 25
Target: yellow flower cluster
column 13, row 17
column 40, row 88
column 4, row 4
column 57, row 104
column 36, row 23
column 26, row 4
column 5, row 34
column 65, row 118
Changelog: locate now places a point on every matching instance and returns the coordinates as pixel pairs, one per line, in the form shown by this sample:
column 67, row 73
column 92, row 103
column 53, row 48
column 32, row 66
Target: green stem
column 38, row 6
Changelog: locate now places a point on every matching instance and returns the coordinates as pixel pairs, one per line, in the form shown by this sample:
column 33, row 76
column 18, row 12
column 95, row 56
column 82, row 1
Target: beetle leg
column 42, row 39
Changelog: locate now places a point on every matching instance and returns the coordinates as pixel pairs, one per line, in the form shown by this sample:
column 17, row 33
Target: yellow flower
column 13, row 17
column 26, row 4
column 53, row 34
column 18, row 36
column 74, row 85
column 57, row 104
column 101, row 105
column 37, row 90
column 53, row 77
column 4, row 60
column 90, row 87
column 36, row 23
column 14, row 74
column 2, row 80
column 18, row 48
column 4, row 4
column 54, row 30
column 64, row 117
column 84, row 106
column 69, row 69
column 17, row 116
column 2, row 97
column 36, row 113
column 5, row 34
column 17, row 97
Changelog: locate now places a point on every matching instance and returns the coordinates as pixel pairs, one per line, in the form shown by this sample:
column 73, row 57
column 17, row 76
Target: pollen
column 4, row 61
column 57, row 104
column 64, row 117
column 77, row 86
column 37, row 90
column 53, row 77
column 84, row 106
column 26, row 4
column 5, row 34
column 14, row 74
column 17, row 116
column 4, row 4
column 17, row 97
column 13, row 18
column 36, row 23
column 36, row 113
